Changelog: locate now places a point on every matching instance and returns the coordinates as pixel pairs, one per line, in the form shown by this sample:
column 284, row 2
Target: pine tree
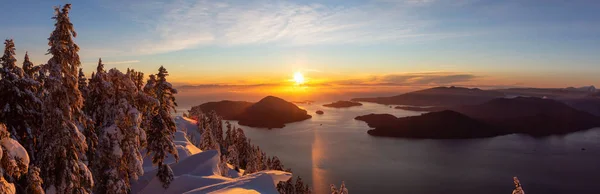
column 518, row 187
column 18, row 100
column 232, row 156
column 343, row 189
column 147, row 102
column 41, row 78
column 61, row 137
column 162, row 128
column 34, row 182
column 276, row 164
column 138, row 78
column 97, row 105
column 223, row 167
column 253, row 164
column 11, row 166
column 300, row 187
column 121, row 139
column 98, row 108
column 215, row 123
column 83, row 86
column 208, row 141
column 334, row 189
column 28, row 67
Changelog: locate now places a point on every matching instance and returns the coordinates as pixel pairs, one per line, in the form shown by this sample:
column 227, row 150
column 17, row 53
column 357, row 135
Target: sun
column 298, row 78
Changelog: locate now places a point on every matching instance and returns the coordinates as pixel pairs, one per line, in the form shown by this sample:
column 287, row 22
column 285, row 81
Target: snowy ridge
column 198, row 171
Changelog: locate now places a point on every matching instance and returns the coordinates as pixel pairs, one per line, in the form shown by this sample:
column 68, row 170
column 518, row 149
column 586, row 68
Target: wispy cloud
column 113, row 62
column 184, row 24
column 120, row 62
column 413, row 79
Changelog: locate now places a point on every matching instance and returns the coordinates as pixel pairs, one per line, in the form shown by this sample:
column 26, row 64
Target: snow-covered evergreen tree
column 120, row 139
column 223, row 167
column 14, row 161
column 60, row 137
column 302, row 188
column 342, row 190
column 99, row 108
column 208, row 140
column 137, row 77
column 253, row 164
column 29, row 68
column 518, row 187
column 83, row 86
column 41, row 78
column 162, row 128
column 147, row 102
column 34, row 181
column 97, row 103
column 215, row 123
column 232, row 156
column 18, row 100
column 276, row 164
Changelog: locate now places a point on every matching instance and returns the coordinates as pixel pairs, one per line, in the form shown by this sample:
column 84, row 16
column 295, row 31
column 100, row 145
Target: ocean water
column 333, row 147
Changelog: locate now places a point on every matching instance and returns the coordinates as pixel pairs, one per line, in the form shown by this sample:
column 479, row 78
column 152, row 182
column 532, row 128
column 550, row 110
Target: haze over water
column 333, row 147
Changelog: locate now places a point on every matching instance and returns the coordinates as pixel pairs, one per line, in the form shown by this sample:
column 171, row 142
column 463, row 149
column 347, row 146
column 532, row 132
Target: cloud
column 413, row 79
column 112, row 62
column 120, row 62
column 185, row 24
column 428, row 78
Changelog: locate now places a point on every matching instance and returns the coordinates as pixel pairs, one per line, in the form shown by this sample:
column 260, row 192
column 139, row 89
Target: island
column 270, row 112
column 342, row 104
column 225, row 108
column 436, row 125
column 524, row 115
column 320, row 112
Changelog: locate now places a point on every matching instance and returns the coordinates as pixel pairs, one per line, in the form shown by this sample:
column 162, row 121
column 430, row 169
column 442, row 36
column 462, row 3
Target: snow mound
column 198, row 171
column 260, row 182
column 15, row 150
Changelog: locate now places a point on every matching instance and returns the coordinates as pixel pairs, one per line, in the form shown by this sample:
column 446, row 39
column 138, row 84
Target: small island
column 342, row 104
column 320, row 112
column 270, row 112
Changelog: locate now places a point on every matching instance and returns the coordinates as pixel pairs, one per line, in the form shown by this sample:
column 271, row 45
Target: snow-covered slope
column 197, row 171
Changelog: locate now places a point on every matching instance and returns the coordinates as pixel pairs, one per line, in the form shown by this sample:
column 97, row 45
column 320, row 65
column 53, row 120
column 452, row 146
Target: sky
column 382, row 45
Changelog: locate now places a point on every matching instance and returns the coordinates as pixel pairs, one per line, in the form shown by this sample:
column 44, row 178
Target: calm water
column 333, row 147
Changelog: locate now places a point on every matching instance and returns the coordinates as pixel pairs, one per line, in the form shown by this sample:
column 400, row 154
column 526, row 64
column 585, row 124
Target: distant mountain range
column 525, row 115
column 269, row 112
column 439, row 96
column 591, row 89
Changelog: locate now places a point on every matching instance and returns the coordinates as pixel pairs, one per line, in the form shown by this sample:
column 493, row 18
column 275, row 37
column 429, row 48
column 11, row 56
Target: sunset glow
column 360, row 96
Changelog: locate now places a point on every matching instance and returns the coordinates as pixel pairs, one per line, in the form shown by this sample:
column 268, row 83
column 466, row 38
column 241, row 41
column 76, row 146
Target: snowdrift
column 198, row 172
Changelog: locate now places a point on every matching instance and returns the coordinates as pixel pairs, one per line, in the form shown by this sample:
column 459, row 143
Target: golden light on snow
column 298, row 78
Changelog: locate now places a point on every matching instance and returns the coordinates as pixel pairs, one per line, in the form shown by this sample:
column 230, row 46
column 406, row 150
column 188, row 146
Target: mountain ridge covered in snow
column 197, row 171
